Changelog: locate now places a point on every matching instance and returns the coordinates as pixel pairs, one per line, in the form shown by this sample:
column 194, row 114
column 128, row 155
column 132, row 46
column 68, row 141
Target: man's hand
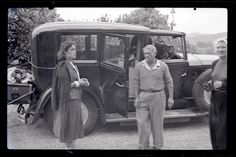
column 217, row 84
column 170, row 103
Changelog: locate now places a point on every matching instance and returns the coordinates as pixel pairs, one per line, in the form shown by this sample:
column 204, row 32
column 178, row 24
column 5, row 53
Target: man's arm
column 170, row 86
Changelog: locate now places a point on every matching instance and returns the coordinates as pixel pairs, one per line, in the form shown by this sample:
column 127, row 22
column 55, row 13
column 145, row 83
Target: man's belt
column 150, row 91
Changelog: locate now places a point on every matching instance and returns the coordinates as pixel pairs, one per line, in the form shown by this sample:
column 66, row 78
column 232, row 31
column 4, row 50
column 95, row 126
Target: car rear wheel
column 202, row 97
column 89, row 114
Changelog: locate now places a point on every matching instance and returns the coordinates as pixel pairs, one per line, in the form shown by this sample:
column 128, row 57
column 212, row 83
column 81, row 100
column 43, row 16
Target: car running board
column 170, row 115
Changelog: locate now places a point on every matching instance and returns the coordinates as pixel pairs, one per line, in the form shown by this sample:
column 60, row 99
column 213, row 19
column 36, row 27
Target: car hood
column 201, row 59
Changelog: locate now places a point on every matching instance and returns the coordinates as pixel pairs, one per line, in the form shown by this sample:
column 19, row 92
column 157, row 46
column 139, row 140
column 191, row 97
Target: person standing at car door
column 150, row 78
column 218, row 107
column 66, row 96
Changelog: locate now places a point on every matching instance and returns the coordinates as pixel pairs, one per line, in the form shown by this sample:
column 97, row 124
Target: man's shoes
column 143, row 147
column 148, row 148
column 70, row 145
column 156, row 148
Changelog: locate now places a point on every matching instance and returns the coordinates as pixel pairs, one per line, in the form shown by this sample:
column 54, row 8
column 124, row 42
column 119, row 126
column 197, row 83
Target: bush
column 21, row 22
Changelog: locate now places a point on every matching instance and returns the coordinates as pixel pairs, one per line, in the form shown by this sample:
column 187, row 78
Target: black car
column 106, row 55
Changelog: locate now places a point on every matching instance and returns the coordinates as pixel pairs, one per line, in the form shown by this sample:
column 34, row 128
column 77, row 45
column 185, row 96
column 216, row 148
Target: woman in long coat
column 218, row 107
column 66, row 96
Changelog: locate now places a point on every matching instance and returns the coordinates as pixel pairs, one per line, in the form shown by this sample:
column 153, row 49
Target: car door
column 114, row 74
column 178, row 69
column 177, row 64
column 172, row 50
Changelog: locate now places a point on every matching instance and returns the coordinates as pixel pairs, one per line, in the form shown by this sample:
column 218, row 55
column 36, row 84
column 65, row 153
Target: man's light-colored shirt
column 157, row 65
column 149, row 79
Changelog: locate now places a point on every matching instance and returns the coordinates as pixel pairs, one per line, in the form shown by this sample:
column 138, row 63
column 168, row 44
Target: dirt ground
column 193, row 135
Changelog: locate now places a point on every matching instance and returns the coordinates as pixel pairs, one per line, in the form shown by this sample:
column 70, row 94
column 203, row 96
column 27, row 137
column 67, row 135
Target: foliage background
column 22, row 21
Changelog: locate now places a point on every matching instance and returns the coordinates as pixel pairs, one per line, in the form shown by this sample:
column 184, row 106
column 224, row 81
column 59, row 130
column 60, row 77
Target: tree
column 21, row 22
column 104, row 18
column 172, row 24
column 149, row 17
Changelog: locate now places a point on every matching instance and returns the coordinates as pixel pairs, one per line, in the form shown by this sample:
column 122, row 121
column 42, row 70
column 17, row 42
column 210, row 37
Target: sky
column 188, row 20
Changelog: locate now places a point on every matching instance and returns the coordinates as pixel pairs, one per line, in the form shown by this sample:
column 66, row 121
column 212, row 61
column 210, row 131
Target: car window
column 86, row 46
column 168, row 47
column 114, row 51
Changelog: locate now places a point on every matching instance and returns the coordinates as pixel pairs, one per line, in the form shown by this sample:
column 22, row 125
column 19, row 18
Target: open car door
column 171, row 49
column 114, row 74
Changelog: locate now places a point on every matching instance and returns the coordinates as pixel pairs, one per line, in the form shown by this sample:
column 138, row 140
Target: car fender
column 201, row 59
column 45, row 96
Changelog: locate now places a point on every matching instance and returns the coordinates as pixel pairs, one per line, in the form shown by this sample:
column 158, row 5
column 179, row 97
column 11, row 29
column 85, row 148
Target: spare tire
column 202, row 97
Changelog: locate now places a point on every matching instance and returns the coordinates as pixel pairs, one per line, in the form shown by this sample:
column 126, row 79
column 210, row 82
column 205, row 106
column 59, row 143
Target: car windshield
column 168, row 45
column 174, row 41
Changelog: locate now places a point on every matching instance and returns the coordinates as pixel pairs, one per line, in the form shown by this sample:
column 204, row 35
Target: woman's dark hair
column 63, row 48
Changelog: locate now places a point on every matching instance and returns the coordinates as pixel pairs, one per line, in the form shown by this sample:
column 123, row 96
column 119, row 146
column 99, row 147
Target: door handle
column 120, row 85
column 182, row 75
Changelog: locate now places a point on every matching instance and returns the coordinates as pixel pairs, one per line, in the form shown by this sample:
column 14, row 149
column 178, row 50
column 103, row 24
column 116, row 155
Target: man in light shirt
column 151, row 76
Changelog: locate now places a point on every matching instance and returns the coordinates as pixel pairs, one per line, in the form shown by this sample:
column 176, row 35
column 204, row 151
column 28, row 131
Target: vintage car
column 106, row 55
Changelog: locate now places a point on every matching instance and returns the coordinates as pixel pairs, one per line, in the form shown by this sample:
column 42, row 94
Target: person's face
column 149, row 55
column 171, row 50
column 221, row 49
column 71, row 53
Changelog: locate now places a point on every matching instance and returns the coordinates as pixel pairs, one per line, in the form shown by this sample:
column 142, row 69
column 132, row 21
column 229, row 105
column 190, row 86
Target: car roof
column 106, row 26
column 100, row 26
column 166, row 32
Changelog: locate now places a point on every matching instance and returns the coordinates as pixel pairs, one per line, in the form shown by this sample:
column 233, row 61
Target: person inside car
column 162, row 49
column 171, row 52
